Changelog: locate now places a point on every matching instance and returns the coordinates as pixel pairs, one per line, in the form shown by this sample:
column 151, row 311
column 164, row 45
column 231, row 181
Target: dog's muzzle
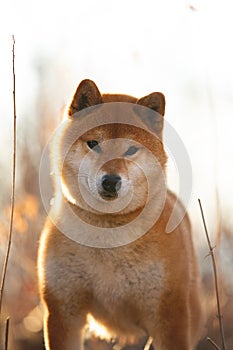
column 110, row 186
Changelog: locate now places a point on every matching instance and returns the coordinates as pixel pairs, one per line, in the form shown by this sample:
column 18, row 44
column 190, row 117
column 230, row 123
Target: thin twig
column 148, row 343
column 4, row 270
column 7, row 333
column 213, row 343
column 211, row 248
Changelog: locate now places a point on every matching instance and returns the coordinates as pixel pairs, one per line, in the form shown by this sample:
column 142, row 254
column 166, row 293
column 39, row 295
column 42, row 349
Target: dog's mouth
column 108, row 195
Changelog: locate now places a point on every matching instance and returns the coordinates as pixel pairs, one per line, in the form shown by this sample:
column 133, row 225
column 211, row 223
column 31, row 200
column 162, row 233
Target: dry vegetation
column 21, row 301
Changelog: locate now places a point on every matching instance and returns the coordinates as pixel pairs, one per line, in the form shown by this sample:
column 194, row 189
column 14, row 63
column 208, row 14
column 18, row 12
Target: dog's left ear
column 156, row 102
column 86, row 95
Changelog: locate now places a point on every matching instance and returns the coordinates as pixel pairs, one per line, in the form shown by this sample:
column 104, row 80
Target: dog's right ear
column 152, row 116
column 86, row 95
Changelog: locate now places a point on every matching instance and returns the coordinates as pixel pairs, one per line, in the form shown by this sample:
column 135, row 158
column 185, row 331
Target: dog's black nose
column 111, row 184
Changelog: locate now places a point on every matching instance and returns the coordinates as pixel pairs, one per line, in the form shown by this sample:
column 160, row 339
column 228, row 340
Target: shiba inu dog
column 104, row 251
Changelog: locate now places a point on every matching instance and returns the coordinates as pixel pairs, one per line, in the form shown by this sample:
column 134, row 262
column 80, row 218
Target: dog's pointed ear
column 156, row 103
column 86, row 95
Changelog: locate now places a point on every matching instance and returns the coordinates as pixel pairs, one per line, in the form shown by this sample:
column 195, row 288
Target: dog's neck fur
column 102, row 220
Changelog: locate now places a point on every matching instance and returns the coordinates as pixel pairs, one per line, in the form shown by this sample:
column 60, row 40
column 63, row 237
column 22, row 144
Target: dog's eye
column 93, row 144
column 132, row 150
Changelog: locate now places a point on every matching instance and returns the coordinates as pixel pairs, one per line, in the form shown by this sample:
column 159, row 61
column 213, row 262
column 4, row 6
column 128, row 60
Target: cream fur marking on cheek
column 104, row 251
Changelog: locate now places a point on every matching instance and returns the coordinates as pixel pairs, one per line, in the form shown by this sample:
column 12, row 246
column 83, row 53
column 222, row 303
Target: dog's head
column 110, row 151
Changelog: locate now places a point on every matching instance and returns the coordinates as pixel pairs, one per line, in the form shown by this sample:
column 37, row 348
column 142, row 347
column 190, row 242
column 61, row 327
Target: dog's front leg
column 172, row 329
column 62, row 331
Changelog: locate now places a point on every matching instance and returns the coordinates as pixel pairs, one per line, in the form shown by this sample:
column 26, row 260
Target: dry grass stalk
column 148, row 343
column 6, row 333
column 213, row 343
column 4, row 270
column 219, row 315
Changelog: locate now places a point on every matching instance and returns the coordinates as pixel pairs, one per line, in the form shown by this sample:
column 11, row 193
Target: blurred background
column 181, row 48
